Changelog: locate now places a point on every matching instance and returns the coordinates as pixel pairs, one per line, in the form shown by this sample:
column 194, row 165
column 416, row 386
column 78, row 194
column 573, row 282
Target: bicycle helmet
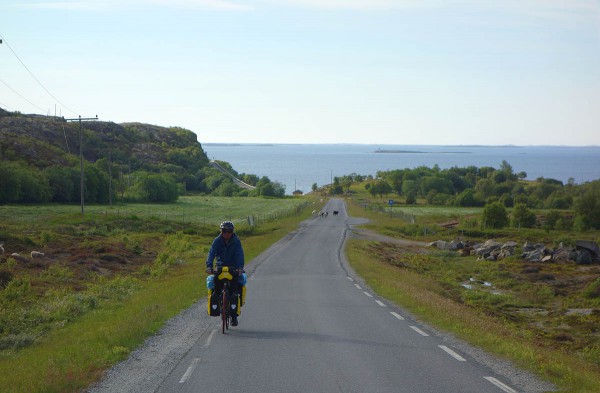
column 227, row 226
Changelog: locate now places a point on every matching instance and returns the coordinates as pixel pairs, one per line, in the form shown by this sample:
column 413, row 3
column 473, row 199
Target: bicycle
column 225, row 277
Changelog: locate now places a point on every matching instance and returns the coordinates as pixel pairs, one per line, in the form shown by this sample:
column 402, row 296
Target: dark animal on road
column 335, row 212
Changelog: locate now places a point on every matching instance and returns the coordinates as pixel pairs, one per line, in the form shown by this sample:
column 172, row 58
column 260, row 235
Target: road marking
column 452, row 353
column 189, row 371
column 400, row 317
column 350, row 278
column 499, row 384
column 380, row 303
column 210, row 337
column 368, row 294
column 422, row 333
column 357, row 286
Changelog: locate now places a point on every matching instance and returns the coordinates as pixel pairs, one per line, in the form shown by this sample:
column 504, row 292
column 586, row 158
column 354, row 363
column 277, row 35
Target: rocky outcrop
column 584, row 252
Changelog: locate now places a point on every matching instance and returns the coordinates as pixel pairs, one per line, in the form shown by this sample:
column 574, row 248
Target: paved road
column 310, row 326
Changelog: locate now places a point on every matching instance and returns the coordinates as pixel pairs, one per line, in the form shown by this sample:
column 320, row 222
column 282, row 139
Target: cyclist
column 228, row 251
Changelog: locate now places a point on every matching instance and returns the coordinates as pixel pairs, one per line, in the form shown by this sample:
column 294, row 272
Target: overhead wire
column 17, row 93
column 2, row 39
column 2, row 105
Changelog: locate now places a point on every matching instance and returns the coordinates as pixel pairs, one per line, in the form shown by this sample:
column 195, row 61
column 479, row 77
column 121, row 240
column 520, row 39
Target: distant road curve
column 237, row 181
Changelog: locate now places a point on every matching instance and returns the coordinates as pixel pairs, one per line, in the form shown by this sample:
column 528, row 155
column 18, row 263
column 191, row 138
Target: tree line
column 567, row 205
column 105, row 181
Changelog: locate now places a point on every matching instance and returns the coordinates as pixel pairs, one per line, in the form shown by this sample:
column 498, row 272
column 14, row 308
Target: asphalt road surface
column 310, row 325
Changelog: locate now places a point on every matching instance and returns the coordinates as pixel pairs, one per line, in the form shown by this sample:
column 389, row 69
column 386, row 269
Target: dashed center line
column 357, row 286
column 452, row 353
column 400, row 317
column 380, row 303
column 189, row 371
column 368, row 294
column 350, row 278
column 499, row 384
column 422, row 333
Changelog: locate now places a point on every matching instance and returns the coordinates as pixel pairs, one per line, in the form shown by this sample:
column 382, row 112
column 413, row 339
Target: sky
column 521, row 72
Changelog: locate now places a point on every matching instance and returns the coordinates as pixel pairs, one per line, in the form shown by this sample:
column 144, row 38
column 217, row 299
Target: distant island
column 236, row 144
column 419, row 152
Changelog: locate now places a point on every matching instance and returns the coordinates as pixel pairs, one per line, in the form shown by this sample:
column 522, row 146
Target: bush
column 588, row 208
column 155, row 188
column 523, row 217
column 495, row 215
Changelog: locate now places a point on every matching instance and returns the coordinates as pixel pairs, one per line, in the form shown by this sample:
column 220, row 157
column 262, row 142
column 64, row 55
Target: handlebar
column 218, row 270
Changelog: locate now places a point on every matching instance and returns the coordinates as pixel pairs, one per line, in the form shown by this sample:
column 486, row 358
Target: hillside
column 145, row 162
column 43, row 141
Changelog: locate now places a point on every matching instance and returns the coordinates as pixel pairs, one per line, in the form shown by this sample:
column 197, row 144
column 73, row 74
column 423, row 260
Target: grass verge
column 429, row 287
column 421, row 296
column 71, row 357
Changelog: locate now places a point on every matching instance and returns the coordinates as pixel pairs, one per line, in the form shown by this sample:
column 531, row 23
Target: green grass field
column 203, row 210
column 67, row 316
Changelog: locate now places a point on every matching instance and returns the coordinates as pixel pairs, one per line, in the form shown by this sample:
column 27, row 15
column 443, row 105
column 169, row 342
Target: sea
column 299, row 166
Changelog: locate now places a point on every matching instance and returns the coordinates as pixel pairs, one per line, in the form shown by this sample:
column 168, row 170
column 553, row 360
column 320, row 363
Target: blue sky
column 524, row 72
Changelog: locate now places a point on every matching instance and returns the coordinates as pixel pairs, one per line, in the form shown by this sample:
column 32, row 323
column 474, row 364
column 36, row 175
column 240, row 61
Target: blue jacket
column 230, row 254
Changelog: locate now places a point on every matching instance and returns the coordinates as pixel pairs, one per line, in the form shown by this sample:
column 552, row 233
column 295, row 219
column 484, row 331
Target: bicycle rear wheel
column 224, row 311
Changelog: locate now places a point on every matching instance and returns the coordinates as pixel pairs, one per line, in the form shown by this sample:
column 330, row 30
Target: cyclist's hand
column 209, row 270
column 240, row 271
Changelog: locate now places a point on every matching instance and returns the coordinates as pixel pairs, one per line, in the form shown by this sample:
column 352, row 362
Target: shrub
column 495, row 215
column 522, row 216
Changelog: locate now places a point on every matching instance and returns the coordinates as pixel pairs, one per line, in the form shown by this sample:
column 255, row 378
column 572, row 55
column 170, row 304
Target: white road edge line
column 350, row 278
column 368, row 294
column 400, row 317
column 422, row 333
column 499, row 384
column 380, row 303
column 189, row 371
column 452, row 353
column 357, row 286
column 210, row 337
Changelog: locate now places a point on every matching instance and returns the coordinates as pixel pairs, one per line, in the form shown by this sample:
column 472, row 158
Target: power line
column 17, row 93
column 3, row 40
column 7, row 106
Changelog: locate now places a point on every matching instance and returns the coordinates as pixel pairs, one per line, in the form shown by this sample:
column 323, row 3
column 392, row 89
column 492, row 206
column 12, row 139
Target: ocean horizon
column 298, row 165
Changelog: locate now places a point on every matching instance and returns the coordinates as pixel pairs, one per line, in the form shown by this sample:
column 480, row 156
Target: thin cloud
column 356, row 4
column 204, row 4
column 99, row 5
column 565, row 12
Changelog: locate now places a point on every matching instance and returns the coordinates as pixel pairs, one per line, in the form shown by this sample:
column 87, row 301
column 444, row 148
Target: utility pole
column 109, row 181
column 81, row 175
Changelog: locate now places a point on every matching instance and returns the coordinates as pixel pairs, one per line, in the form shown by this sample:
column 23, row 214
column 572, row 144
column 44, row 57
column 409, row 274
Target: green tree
column 495, row 215
column 411, row 198
column 380, row 188
column 410, row 187
column 64, row 184
column 96, row 184
column 154, row 188
column 34, row 187
column 467, row 198
column 522, row 216
column 10, row 184
column 588, row 207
